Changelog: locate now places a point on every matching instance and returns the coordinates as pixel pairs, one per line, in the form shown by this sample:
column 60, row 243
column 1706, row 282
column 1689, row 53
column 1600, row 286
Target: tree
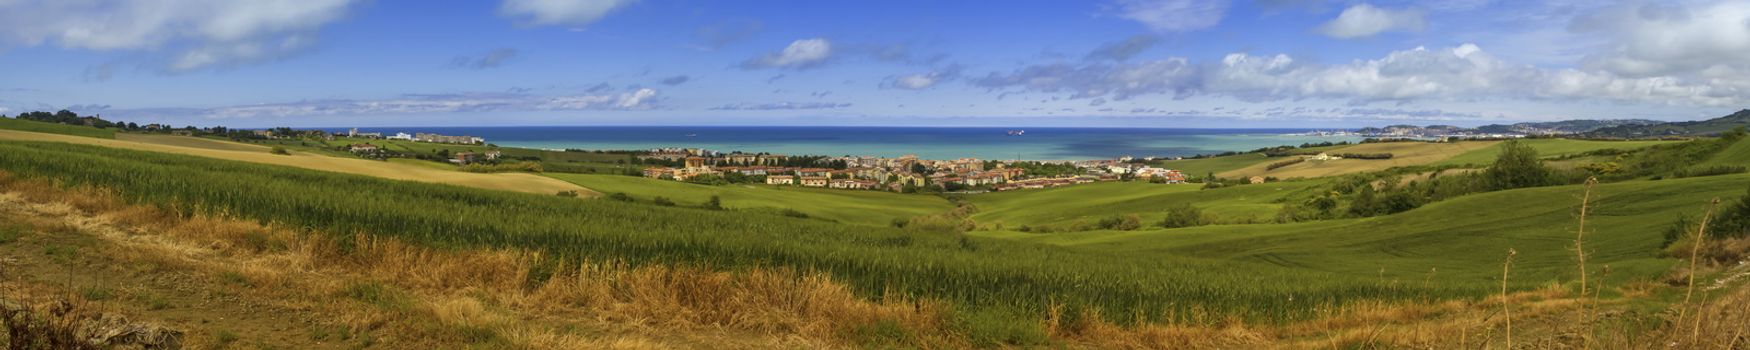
column 1183, row 215
column 714, row 204
column 1364, row 204
column 1517, row 167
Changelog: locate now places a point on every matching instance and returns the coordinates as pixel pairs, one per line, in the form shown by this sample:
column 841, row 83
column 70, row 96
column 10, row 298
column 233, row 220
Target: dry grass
column 518, row 182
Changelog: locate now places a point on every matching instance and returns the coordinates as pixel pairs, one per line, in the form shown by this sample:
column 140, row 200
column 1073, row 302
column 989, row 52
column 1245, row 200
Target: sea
column 1056, row 143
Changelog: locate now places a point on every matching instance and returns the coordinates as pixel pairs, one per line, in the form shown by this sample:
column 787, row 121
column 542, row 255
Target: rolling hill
column 1689, row 128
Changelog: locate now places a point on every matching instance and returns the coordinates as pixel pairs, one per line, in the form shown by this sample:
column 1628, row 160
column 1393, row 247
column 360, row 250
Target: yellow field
column 519, row 182
column 1403, row 154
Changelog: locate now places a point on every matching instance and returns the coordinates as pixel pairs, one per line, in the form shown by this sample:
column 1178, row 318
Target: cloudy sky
column 1214, row 63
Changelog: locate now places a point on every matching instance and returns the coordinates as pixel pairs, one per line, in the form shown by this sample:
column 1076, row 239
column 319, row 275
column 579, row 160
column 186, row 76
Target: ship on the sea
column 1017, row 132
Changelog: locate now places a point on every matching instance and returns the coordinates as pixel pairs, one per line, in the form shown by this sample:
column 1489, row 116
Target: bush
column 1274, row 166
column 568, row 194
column 662, row 201
column 1183, row 215
column 714, row 204
column 793, row 213
column 1708, row 171
column 280, row 151
column 532, row 167
column 620, row 196
column 1122, row 223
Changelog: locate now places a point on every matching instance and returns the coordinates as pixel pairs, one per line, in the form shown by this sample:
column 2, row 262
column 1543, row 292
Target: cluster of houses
column 460, row 158
column 418, row 137
column 893, row 174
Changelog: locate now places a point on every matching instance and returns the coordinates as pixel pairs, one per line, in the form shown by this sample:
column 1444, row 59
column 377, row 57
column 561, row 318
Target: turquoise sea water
column 925, row 142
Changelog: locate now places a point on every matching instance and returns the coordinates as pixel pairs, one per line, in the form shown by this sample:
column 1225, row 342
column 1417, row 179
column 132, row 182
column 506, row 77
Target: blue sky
column 1262, row 63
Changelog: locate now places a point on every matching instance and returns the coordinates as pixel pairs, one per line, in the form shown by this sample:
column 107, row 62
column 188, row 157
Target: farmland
column 997, row 274
column 257, row 154
column 51, row 128
column 1092, row 202
column 1548, row 148
column 865, row 207
column 1403, row 154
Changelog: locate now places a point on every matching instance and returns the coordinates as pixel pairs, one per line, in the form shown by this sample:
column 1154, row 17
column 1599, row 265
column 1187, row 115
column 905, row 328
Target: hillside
column 517, row 182
column 1689, row 128
column 1575, row 126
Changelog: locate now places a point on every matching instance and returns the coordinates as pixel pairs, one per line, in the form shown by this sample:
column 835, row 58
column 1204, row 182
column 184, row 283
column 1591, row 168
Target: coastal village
column 898, row 174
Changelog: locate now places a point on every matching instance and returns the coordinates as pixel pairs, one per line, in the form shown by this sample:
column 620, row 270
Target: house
column 362, row 148
column 817, row 172
column 1256, row 180
column 1325, row 156
column 854, row 184
column 814, row 181
column 780, row 180
column 492, row 155
column 695, row 162
column 402, row 136
column 182, row 133
column 658, row 172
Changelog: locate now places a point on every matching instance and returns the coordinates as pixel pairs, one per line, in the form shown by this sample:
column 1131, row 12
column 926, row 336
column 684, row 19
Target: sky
column 1110, row 63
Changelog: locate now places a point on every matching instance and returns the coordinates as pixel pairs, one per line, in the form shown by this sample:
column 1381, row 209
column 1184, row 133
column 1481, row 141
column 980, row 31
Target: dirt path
column 518, row 182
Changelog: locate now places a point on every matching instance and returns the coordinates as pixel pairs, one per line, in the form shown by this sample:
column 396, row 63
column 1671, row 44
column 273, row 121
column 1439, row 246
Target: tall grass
column 1024, row 279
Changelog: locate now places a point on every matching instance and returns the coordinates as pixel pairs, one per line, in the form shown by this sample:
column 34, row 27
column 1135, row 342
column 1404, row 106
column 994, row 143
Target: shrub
column 793, row 213
column 1123, row 223
column 280, row 151
column 662, row 201
column 568, row 194
column 714, row 204
column 1708, row 171
column 1274, row 166
column 620, row 196
column 1183, row 215
column 1517, row 167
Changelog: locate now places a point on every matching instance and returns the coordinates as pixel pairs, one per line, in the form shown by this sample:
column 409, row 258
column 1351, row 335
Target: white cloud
column 1363, row 20
column 200, row 33
column 804, row 53
column 1710, row 41
column 1173, row 15
column 920, row 81
column 781, row 106
column 636, row 99
column 1459, row 74
column 576, row 13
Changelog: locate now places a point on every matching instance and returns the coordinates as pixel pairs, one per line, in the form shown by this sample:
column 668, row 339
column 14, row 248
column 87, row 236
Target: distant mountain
column 1576, row 126
column 1699, row 127
column 1564, row 127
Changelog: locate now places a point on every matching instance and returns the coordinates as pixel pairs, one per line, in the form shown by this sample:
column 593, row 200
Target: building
column 854, row 184
column 362, row 148
column 436, row 138
column 814, row 181
column 1256, row 180
column 1325, row 156
column 780, row 180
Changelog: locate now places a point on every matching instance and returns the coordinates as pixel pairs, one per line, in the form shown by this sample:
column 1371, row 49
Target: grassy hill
column 1737, row 154
column 863, row 207
column 517, row 182
column 1689, row 128
column 1088, row 203
column 1403, row 154
column 52, row 128
column 1463, row 239
column 1548, row 148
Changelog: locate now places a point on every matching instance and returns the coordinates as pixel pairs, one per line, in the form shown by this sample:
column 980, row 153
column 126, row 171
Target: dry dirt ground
column 518, row 182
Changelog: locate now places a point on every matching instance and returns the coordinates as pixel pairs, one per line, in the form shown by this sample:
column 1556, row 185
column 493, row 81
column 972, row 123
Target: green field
column 1204, row 166
column 1253, row 272
column 1548, row 148
column 863, row 207
column 1456, row 239
column 994, row 275
column 1738, row 154
column 1092, row 202
column 52, row 128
